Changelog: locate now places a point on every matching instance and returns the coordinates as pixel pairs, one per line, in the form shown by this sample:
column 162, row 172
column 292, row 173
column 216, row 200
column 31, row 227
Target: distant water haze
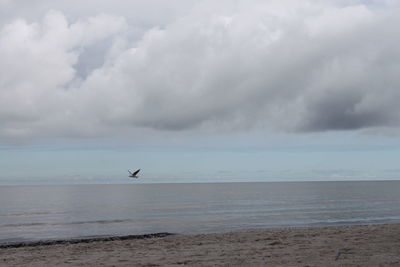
column 208, row 177
column 237, row 157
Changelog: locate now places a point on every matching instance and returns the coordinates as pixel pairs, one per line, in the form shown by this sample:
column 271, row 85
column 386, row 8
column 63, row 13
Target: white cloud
column 226, row 65
column 37, row 65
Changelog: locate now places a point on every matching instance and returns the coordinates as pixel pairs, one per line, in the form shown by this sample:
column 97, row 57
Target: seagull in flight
column 134, row 174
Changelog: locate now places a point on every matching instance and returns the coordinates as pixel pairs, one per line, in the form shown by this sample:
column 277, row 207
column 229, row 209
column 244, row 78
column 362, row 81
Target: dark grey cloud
column 204, row 66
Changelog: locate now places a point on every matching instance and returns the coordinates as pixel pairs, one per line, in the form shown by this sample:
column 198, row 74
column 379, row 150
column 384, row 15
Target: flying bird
column 134, row 174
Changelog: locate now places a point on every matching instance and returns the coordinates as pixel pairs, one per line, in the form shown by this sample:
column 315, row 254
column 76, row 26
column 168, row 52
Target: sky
column 199, row 90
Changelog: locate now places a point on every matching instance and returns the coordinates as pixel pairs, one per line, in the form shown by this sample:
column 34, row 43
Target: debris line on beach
column 81, row 240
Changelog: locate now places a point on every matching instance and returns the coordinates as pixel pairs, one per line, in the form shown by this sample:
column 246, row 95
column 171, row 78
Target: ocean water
column 31, row 213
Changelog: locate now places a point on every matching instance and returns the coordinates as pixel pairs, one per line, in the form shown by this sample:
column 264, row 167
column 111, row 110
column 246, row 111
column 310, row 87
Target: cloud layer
column 222, row 66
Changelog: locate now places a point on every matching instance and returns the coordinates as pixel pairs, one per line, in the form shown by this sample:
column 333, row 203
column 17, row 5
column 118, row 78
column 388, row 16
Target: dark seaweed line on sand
column 81, row 240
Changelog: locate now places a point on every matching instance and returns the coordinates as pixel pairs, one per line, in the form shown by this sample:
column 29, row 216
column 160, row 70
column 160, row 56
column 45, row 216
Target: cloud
column 37, row 64
column 223, row 66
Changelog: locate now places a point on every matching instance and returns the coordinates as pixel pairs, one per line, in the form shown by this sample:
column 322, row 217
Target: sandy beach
column 370, row 245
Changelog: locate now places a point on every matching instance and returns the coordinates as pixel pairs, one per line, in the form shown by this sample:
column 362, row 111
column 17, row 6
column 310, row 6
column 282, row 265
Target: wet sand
column 372, row 245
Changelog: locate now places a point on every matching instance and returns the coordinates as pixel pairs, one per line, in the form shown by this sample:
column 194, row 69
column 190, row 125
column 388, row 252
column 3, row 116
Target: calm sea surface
column 29, row 213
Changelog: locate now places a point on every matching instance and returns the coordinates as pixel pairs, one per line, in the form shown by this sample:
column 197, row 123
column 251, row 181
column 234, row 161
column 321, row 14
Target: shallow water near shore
column 30, row 213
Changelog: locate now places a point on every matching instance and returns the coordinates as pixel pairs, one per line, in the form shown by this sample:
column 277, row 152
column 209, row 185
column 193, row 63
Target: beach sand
column 371, row 245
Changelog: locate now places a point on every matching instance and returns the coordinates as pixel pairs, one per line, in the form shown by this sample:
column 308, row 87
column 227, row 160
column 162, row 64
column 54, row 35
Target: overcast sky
column 136, row 73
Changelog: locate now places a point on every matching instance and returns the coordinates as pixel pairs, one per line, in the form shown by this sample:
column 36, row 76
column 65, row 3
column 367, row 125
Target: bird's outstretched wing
column 136, row 172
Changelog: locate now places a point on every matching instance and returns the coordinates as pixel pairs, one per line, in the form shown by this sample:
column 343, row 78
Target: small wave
column 30, row 214
column 22, row 224
column 99, row 221
column 356, row 221
column 65, row 223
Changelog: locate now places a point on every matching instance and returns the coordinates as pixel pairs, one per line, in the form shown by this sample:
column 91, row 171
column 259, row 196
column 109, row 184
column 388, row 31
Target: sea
column 59, row 212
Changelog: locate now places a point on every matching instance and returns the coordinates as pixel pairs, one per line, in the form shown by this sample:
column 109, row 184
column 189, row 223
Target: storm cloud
column 213, row 66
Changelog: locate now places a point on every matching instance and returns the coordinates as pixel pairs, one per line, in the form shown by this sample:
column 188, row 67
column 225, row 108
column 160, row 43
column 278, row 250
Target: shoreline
column 104, row 238
column 355, row 245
